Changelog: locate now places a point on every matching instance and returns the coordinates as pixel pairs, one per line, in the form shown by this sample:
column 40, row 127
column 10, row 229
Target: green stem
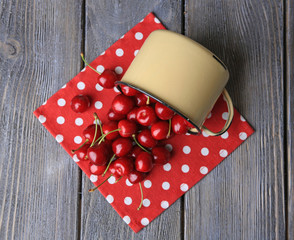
column 100, row 122
column 87, row 64
column 96, row 126
column 93, row 189
column 98, row 139
column 72, row 151
column 141, row 196
column 169, row 128
column 148, row 100
column 118, row 179
column 104, row 135
column 111, row 160
column 136, row 141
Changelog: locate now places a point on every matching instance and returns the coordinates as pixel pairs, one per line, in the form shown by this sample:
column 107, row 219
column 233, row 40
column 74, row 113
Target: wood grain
column 243, row 198
column 39, row 53
column 105, row 23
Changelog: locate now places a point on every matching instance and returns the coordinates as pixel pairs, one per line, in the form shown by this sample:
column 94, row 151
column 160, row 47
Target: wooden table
column 43, row 194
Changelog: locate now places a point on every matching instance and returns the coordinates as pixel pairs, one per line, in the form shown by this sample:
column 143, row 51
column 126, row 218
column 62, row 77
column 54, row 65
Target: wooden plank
column 289, row 25
column 105, row 23
column 39, row 53
column 243, row 198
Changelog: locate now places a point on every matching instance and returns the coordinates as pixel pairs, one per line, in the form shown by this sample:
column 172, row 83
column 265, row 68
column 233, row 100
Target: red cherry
column 128, row 91
column 81, row 153
column 123, row 166
column 145, row 139
column 189, row 125
column 144, row 162
column 141, row 99
column 160, row 155
column 122, row 146
column 99, row 154
column 152, row 100
column 113, row 116
column 97, row 170
column 163, row 112
column 178, row 125
column 89, row 132
column 110, row 126
column 136, row 150
column 112, row 170
column 146, row 116
column 127, row 128
column 107, row 78
column 80, row 103
column 122, row 104
column 132, row 114
column 159, row 130
column 135, row 176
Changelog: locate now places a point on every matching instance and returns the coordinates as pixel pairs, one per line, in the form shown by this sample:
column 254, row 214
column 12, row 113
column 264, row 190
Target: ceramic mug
column 181, row 74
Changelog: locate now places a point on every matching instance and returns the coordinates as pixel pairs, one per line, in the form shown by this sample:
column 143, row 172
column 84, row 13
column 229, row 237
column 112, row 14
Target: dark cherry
column 144, row 162
column 141, row 99
column 163, row 112
column 80, row 103
column 135, row 176
column 132, row 114
column 122, row 146
column 160, row 155
column 127, row 128
column 113, row 116
column 112, row 170
column 159, row 130
column 97, row 170
column 89, row 132
column 146, row 116
column 145, row 139
column 82, row 152
column 124, row 166
column 136, row 150
column 99, row 154
column 122, row 104
column 107, row 79
column 128, row 91
column 178, row 125
column 110, row 126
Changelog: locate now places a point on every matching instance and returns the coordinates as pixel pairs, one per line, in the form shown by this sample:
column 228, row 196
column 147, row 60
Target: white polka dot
column 122, row 36
column 223, row 153
column 119, row 52
column 112, row 180
column 146, row 202
column 75, row 158
column 144, row 221
column 81, row 85
column 98, row 87
column 64, row 86
column 185, row 168
column 225, row 116
column 165, row 185
column 142, row 20
column 128, row 183
column 242, row 136
column 79, row 121
column 59, row 138
column 164, row 204
column 147, row 184
column 110, row 198
column 60, row 120
column 100, row 68
column 205, row 134
column 186, row 149
column 184, row 187
column 84, row 69
column 138, row 35
column 136, row 52
column 61, row 102
column 116, row 90
column 156, row 20
column 42, row 119
column 209, row 115
column 127, row 219
column 102, row 53
column 93, row 178
column 128, row 201
column 78, row 139
column 204, row 151
column 44, row 103
column 225, row 135
column 167, row 167
column 118, row 70
column 169, row 147
column 242, row 119
column 98, row 105
column 94, row 122
column 204, row 170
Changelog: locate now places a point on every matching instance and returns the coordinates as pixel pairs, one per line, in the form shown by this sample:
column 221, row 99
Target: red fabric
column 193, row 156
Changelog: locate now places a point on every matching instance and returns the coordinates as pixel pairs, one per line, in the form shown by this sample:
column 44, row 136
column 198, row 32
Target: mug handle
column 230, row 116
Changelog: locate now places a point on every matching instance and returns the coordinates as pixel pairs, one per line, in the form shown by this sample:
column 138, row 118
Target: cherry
column 80, row 103
column 122, row 104
column 136, row 150
column 145, row 139
column 99, row 154
column 89, row 132
column 163, row 112
column 178, row 125
column 141, row 99
column 132, row 114
column 189, row 125
column 113, row 171
column 113, row 116
column 135, row 176
column 122, row 146
column 110, row 126
column 97, row 170
column 128, row 91
column 160, row 155
column 127, row 128
column 160, row 130
column 146, row 116
column 81, row 152
column 123, row 166
column 144, row 162
column 107, row 78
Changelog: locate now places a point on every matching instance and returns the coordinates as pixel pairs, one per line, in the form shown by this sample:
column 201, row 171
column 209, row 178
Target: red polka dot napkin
column 192, row 156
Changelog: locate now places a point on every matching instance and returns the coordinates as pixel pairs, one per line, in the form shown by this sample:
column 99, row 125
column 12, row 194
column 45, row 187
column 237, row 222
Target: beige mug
column 181, row 74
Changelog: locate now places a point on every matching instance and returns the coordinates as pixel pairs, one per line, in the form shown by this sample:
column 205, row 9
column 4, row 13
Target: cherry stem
column 100, row 122
column 118, row 179
column 148, row 100
column 104, row 135
column 96, row 124
column 87, row 64
column 93, row 189
column 98, row 139
column 169, row 128
column 72, row 151
column 144, row 149
column 141, row 196
column 111, row 160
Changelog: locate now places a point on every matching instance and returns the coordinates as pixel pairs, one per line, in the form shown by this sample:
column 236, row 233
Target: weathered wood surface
column 248, row 196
